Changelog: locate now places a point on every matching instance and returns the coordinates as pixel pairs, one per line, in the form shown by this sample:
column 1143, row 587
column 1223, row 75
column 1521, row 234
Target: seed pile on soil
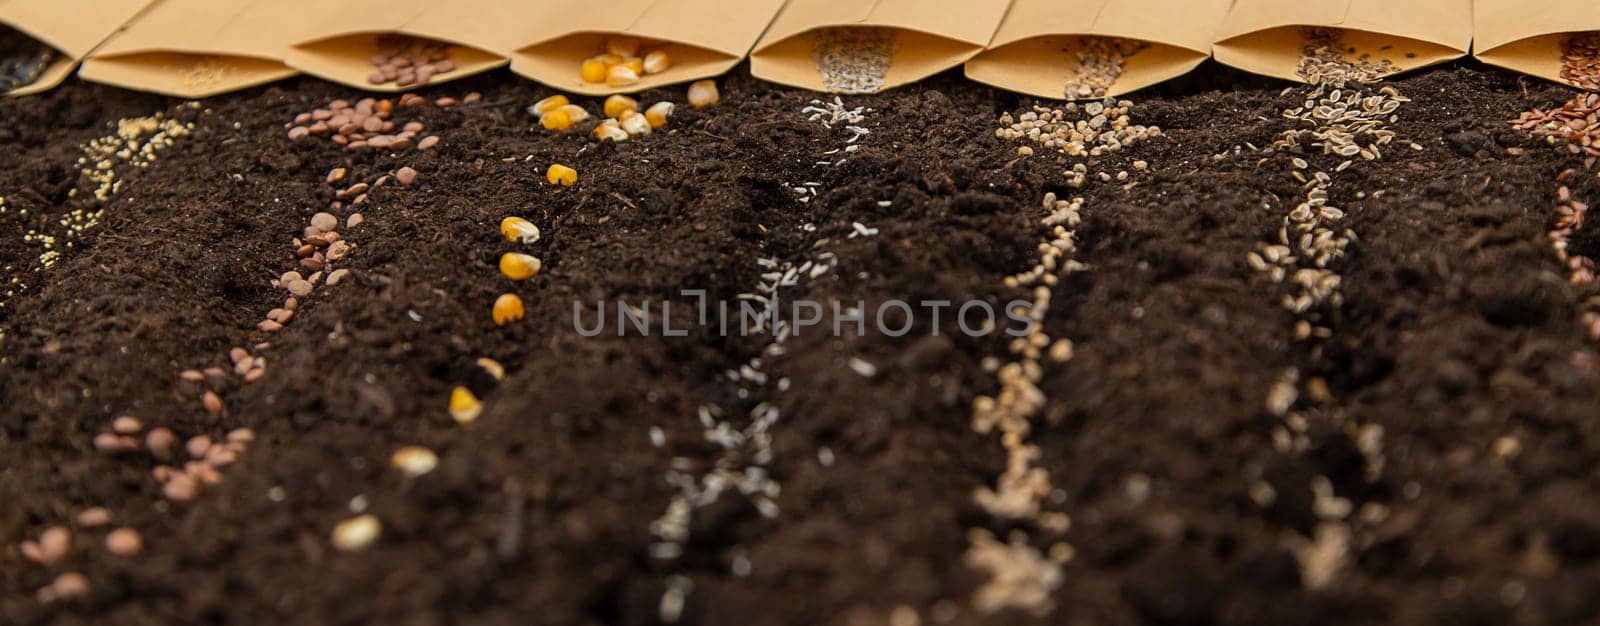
column 1580, row 60
column 853, row 60
column 22, row 59
column 1099, row 64
column 409, row 61
column 1449, row 424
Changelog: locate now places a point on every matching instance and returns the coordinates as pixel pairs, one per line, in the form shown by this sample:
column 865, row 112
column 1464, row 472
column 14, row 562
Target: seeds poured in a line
column 853, row 60
column 1100, row 61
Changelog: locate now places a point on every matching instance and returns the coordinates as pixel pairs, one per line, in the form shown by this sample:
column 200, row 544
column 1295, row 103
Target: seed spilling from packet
column 853, row 59
column 1580, row 60
column 621, row 64
column 408, row 61
column 22, row 59
column 1100, row 62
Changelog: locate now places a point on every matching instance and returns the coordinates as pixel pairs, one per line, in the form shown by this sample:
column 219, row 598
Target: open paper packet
column 73, row 27
column 200, row 48
column 1040, row 45
column 848, row 46
column 1268, row 36
column 701, row 38
column 1530, row 36
column 342, row 44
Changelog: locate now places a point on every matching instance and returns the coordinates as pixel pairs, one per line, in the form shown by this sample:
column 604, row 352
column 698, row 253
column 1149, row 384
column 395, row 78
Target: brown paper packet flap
column 701, row 37
column 932, row 36
column 1265, row 36
column 1034, row 49
column 1528, row 36
column 72, row 27
column 199, row 48
column 1500, row 22
column 340, row 47
column 1190, row 24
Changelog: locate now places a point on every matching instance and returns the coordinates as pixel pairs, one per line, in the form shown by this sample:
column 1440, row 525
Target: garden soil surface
column 1458, row 328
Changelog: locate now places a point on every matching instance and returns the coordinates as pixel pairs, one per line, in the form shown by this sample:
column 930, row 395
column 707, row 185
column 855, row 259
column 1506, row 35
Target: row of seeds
column 743, row 436
column 1343, row 121
column 104, row 164
column 1020, row 575
column 1577, row 125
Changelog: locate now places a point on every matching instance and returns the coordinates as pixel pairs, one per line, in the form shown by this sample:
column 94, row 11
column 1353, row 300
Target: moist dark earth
column 1458, row 328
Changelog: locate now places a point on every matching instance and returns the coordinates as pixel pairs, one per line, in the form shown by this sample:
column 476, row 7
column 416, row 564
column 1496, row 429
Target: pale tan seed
column 357, row 533
column 94, row 517
column 124, row 542
column 212, row 402
column 127, row 425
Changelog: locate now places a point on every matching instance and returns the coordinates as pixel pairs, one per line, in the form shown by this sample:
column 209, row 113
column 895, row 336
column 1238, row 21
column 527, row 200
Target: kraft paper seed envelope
column 931, row 36
column 200, row 48
column 72, row 27
column 703, row 38
column 340, row 46
column 1034, row 50
column 1528, row 35
column 1267, row 36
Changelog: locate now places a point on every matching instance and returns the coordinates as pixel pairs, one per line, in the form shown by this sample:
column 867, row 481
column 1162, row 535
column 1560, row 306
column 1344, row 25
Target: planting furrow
column 1343, row 123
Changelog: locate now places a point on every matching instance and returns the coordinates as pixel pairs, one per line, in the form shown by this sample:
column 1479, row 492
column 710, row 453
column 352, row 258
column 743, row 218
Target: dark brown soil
column 1458, row 328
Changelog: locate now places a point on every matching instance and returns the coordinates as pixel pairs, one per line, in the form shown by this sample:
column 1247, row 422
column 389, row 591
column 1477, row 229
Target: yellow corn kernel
column 559, row 174
column 656, row 62
column 634, row 63
column 516, row 229
column 636, row 125
column 610, row 59
column 556, row 120
column 658, row 113
column 464, row 406
column 621, row 76
column 610, row 129
column 622, row 45
column 507, row 309
column 593, row 71
column 576, row 114
column 618, row 103
column 547, row 105
column 703, row 94
column 519, row 266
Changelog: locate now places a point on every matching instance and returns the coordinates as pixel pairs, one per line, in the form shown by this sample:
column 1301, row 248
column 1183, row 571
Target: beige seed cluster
column 136, row 144
column 1090, row 129
column 1099, row 65
column 1580, row 60
column 853, row 59
column 409, row 61
column 1020, row 577
column 1577, row 124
